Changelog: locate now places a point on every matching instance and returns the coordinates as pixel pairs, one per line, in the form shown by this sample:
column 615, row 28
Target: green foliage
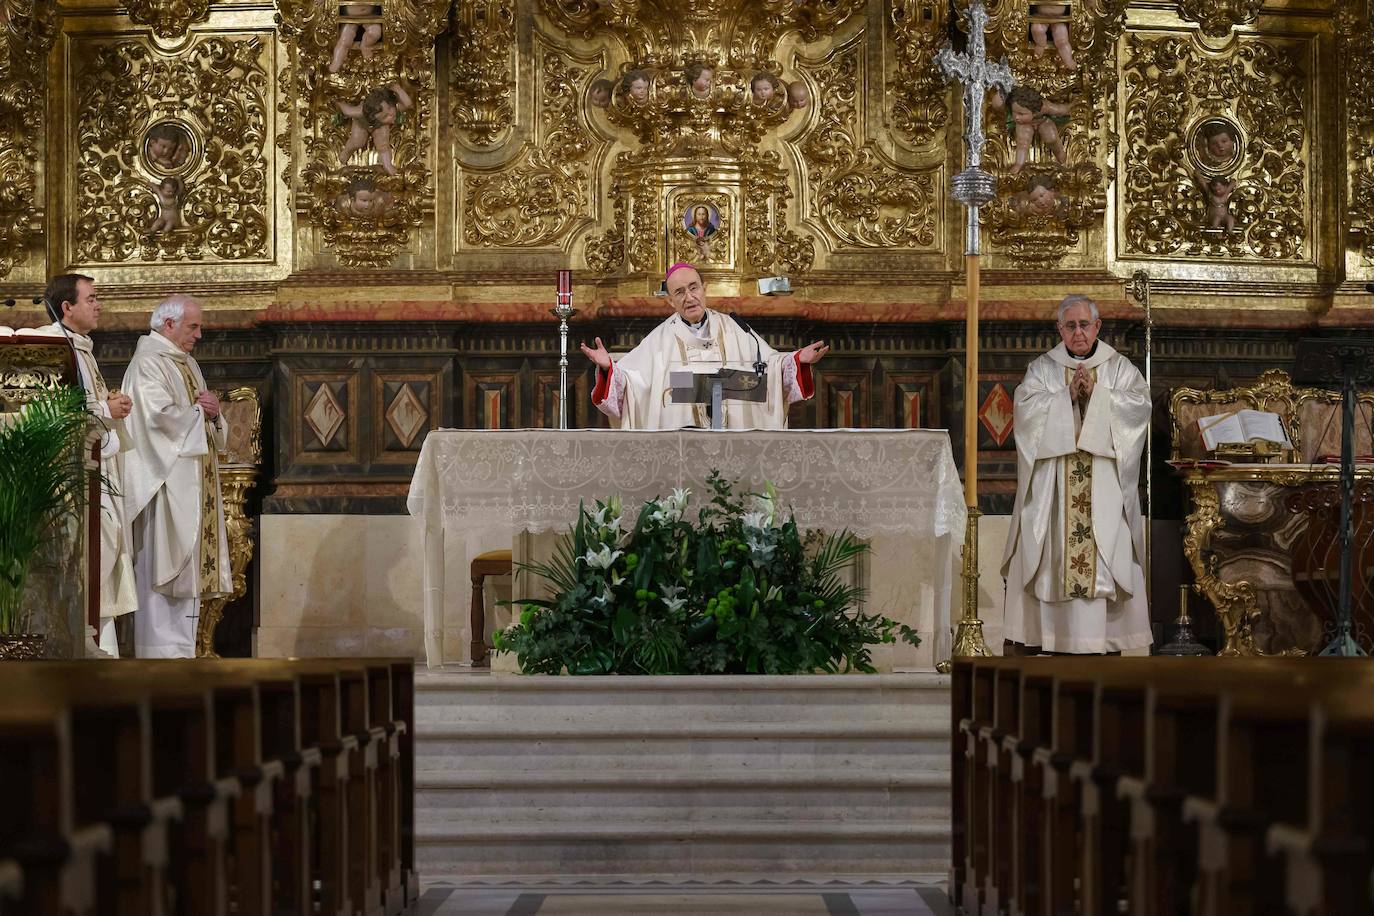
column 738, row 591
column 42, row 484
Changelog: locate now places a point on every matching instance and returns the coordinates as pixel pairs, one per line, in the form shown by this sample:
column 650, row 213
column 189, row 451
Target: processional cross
column 972, row 187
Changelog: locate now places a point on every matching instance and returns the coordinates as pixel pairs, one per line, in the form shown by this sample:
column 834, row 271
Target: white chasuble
column 172, row 497
column 117, row 594
column 635, row 394
column 1074, row 561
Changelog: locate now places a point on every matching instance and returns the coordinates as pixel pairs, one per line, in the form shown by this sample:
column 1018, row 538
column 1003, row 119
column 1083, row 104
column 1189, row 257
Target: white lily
column 603, row 558
column 773, row 593
column 755, row 520
column 671, row 591
column 674, row 604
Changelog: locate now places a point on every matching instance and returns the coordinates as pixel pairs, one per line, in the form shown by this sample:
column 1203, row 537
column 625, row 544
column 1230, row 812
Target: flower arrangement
column 739, row 590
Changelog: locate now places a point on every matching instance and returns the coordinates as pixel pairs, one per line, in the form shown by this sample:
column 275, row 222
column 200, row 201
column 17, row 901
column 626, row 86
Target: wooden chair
column 491, row 563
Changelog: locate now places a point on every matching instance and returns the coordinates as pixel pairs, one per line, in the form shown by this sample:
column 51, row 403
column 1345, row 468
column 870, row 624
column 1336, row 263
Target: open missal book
column 1242, row 426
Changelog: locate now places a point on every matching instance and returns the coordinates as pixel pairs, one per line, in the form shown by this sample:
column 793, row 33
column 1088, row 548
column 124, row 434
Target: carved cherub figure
column 763, row 87
column 368, row 35
column 1216, row 194
column 373, row 118
column 1218, row 144
column 1041, row 198
column 363, row 198
column 169, row 196
column 1050, row 20
column 700, row 78
column 1032, row 114
column 636, row 86
column 798, row 96
column 167, row 146
column 599, row 93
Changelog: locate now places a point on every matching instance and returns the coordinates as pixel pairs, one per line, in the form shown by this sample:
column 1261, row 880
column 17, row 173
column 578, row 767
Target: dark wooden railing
column 1159, row 787
column 252, row 787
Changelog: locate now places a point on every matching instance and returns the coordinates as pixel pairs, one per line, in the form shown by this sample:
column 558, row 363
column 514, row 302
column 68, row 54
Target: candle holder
column 563, row 310
column 1184, row 643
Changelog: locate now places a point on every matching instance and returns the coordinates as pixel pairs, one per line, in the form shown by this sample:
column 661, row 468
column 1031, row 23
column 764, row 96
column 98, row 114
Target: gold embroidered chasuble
column 1075, row 550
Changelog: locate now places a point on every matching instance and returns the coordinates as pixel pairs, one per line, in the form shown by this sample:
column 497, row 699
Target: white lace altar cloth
column 476, row 489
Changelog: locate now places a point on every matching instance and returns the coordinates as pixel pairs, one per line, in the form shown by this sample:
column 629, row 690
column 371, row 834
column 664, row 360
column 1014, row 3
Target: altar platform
column 726, row 781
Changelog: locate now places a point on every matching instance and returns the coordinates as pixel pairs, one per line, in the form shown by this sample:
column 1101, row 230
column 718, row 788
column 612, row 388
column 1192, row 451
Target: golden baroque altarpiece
column 194, row 142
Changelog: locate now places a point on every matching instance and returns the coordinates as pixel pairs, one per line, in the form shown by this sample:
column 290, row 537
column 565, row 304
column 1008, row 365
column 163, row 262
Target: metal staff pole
column 972, row 187
column 563, row 311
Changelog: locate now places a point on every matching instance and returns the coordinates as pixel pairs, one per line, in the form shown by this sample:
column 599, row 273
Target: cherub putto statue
column 169, row 193
column 367, row 34
column 373, row 119
column 763, row 87
column 1030, row 115
column 1051, row 20
column 636, row 85
column 700, row 78
column 1216, row 194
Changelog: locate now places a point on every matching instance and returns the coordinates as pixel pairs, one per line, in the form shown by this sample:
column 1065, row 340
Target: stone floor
column 648, row 898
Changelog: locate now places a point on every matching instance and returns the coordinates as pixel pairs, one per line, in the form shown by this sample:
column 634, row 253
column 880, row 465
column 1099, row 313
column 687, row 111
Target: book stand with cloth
column 713, row 388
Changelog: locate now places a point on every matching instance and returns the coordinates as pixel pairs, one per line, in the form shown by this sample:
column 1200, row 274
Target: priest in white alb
column 171, row 484
column 1074, row 561
column 73, row 305
column 634, row 390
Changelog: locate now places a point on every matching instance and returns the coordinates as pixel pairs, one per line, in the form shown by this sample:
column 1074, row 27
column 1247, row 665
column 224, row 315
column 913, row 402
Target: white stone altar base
column 476, row 490
column 740, row 778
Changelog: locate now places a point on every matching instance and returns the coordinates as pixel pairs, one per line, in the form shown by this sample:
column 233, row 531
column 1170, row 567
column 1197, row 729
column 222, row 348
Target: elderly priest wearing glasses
column 1075, row 552
column 634, row 390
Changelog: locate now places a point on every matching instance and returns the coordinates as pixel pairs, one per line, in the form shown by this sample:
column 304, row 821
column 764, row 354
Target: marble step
column 686, row 747
column 711, row 797
column 609, row 848
column 444, row 698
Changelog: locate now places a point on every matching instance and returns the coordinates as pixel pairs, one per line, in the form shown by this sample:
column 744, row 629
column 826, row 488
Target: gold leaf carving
column 1356, row 43
column 860, row 197
column 1258, row 92
column 1218, row 17
column 27, row 30
column 919, row 106
column 212, row 98
column 544, row 196
column 483, row 78
column 1039, row 224
column 362, row 98
column 168, row 18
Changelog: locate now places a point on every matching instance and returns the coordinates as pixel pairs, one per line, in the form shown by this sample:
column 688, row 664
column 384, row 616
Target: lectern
column 713, row 388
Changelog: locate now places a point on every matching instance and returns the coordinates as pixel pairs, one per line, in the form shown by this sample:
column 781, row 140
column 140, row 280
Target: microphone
column 758, row 343
column 7, row 303
column 1369, row 287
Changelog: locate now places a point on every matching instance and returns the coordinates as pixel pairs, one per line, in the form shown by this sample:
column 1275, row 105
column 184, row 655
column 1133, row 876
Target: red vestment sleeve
column 603, row 384
column 804, row 380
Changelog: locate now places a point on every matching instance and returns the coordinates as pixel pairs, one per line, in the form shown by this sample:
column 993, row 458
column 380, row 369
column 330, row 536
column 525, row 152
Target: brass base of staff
column 968, row 635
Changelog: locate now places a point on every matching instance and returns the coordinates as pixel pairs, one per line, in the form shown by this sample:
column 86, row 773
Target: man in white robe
column 1075, row 552
column 171, row 484
column 72, row 303
column 634, row 390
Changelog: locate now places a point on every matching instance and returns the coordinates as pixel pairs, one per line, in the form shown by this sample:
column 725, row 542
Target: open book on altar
column 1242, row 427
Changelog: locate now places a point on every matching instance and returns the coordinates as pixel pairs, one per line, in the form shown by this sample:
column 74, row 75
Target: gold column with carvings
column 238, row 472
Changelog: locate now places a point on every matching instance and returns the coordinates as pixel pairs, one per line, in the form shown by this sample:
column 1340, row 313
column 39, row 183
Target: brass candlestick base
column 968, row 635
column 1183, row 643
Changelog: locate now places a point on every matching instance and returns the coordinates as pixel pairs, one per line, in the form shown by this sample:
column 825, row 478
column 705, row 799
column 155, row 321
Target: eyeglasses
column 1078, row 325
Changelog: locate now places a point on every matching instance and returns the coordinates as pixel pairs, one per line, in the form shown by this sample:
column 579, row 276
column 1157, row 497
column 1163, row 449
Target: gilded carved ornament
column 859, row 197
column 544, row 195
column 173, row 152
column 237, row 473
column 920, row 105
column 169, row 19
column 483, row 74
column 1217, row 18
column 1355, row 41
column 1215, row 151
column 27, row 31
column 363, row 97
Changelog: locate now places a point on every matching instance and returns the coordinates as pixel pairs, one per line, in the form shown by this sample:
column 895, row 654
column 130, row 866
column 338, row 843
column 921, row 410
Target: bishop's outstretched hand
column 598, row 355
column 813, row 353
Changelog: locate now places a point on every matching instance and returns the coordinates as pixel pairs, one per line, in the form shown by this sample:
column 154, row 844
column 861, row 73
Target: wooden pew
column 1092, row 765
column 205, row 781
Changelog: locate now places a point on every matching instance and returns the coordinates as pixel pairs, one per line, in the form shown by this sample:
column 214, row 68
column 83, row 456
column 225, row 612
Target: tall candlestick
column 563, row 311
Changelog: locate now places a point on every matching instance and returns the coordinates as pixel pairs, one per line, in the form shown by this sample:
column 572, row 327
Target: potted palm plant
column 42, row 486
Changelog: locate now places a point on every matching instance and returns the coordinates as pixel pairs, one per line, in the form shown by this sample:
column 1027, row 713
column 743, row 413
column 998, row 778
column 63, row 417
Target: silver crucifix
column 974, row 187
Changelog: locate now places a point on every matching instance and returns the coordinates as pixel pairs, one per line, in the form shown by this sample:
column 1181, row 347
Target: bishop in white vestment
column 75, row 309
column 1075, row 552
column 171, row 484
column 634, row 391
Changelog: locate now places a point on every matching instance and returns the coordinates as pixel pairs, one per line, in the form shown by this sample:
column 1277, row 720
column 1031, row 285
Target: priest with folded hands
column 171, row 484
column 634, row 390
column 1074, row 562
